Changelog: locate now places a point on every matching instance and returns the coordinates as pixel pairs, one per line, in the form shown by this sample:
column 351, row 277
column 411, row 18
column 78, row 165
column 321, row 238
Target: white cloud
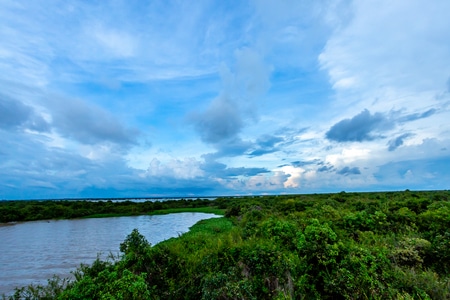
column 187, row 168
column 349, row 155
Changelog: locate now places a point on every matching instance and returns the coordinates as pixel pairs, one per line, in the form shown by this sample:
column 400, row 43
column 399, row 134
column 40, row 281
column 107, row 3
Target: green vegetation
column 393, row 245
column 16, row 211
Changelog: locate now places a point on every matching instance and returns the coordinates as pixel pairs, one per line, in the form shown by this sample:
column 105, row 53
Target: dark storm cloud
column 221, row 121
column 359, row 128
column 15, row 114
column 89, row 124
column 349, row 171
column 398, row 141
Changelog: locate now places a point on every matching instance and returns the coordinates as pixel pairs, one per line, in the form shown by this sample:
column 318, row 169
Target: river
column 32, row 252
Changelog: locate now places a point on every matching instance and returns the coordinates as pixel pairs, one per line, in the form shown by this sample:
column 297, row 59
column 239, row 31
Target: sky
column 129, row 98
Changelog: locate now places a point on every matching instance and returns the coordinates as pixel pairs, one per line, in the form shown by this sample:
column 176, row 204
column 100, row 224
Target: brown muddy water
column 32, row 252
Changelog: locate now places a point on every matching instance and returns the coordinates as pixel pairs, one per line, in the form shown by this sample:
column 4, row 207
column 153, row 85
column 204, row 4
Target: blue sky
column 195, row 98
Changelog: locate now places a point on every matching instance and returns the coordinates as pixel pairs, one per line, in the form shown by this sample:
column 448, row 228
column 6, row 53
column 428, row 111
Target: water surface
column 32, row 252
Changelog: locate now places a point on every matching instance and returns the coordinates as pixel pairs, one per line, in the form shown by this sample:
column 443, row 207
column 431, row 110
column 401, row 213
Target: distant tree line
column 32, row 210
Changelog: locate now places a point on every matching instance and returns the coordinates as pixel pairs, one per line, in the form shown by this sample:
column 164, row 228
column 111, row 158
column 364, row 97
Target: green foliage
column 281, row 231
column 111, row 283
column 410, row 252
column 55, row 286
column 317, row 244
column 421, row 284
column 135, row 243
column 393, row 245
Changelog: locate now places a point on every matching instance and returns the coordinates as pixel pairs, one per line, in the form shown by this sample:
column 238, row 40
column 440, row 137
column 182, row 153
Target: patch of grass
column 211, row 226
column 207, row 209
column 204, row 231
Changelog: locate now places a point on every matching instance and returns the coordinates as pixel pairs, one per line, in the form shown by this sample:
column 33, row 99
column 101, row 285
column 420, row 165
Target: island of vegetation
column 383, row 245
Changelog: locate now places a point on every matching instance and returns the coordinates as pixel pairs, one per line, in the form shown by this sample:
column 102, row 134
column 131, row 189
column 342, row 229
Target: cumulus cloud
column 359, row 128
column 349, row 171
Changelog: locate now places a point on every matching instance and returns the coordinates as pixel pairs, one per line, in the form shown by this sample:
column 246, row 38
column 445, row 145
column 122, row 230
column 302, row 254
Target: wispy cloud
column 418, row 116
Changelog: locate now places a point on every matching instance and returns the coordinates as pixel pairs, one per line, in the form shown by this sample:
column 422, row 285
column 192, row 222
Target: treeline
column 32, row 210
column 332, row 246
